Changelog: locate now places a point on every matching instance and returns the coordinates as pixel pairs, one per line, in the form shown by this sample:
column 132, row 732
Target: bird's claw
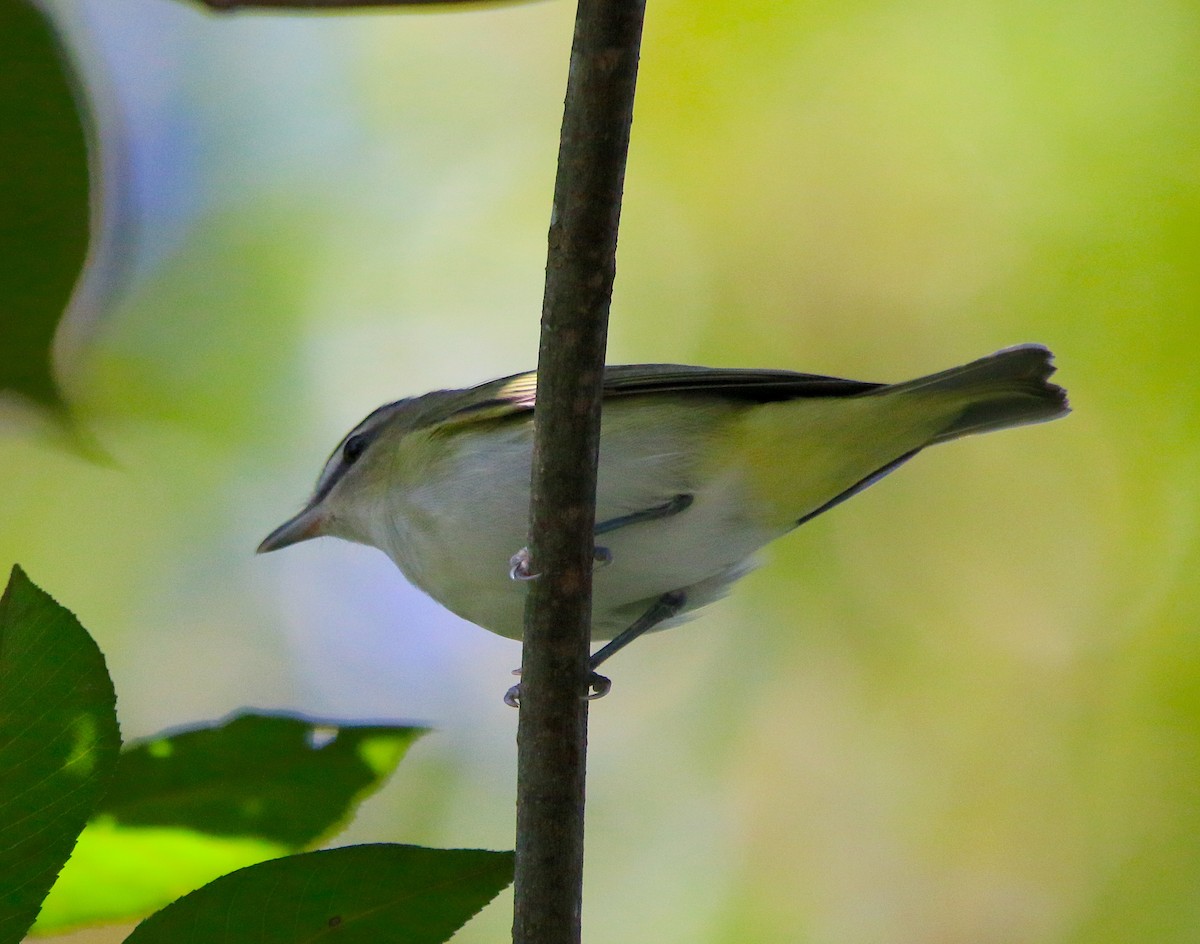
column 512, row 697
column 520, row 567
column 597, row 687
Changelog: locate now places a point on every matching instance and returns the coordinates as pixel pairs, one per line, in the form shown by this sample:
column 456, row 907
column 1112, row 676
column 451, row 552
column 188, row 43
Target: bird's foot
column 520, row 567
column 597, row 687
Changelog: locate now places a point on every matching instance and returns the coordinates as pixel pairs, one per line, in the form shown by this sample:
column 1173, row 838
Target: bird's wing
column 517, row 394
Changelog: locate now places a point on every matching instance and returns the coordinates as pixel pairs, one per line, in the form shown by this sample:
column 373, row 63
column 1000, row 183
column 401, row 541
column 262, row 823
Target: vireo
column 699, row 468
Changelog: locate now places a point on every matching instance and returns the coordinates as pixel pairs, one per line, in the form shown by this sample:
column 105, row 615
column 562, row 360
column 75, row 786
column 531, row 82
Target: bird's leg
column 521, row 568
column 661, row 609
column 598, row 685
column 665, row 510
column 520, row 565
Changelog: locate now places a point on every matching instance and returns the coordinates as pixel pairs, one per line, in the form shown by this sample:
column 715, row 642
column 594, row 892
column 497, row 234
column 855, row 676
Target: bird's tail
column 1008, row 388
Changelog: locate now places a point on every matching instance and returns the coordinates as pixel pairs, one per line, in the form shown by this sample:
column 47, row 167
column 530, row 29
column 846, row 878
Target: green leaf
column 370, row 894
column 188, row 806
column 43, row 198
column 58, row 744
column 276, row 777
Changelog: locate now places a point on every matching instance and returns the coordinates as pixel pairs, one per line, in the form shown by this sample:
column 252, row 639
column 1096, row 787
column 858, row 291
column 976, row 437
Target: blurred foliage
column 44, row 196
column 964, row 707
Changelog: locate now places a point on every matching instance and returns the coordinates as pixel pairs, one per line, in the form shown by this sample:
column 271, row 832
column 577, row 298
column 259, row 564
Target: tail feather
column 1008, row 388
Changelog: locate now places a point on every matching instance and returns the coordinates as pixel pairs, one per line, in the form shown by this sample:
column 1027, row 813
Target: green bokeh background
column 962, row 709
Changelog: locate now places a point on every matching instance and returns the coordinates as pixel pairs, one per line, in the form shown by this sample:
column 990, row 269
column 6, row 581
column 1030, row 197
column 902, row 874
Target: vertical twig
column 580, row 266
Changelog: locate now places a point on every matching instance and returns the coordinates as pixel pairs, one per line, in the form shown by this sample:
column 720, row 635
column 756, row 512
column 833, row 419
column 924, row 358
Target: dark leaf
column 371, row 894
column 188, row 806
column 43, row 198
column 284, row 779
column 58, row 745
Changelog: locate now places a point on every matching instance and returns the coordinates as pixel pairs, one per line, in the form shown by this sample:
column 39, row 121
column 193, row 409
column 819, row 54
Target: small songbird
column 699, row 468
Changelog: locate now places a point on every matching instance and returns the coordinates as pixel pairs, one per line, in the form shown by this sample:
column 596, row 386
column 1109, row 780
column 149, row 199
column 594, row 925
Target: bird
column 699, row 468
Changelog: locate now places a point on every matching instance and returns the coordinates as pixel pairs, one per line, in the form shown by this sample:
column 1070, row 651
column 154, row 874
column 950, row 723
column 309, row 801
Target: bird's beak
column 310, row 523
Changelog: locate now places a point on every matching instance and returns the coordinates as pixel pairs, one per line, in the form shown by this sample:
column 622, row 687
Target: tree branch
column 580, row 267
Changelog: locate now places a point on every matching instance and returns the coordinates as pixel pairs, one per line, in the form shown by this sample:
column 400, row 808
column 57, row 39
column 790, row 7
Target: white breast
column 453, row 531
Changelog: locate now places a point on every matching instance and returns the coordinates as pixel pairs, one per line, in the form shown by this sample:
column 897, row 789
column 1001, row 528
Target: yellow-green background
column 962, row 709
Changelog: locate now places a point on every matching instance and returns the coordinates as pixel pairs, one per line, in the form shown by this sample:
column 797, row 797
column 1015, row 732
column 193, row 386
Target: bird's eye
column 355, row 446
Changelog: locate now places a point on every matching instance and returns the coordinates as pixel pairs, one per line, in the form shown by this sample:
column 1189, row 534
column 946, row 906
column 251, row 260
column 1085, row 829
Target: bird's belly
column 470, row 575
column 454, row 536
column 465, row 566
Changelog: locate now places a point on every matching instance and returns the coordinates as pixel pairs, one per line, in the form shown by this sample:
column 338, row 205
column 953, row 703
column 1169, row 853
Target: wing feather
column 516, row 394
